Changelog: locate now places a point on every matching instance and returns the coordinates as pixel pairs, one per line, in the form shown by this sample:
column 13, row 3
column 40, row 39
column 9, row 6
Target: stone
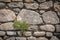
column 42, row 11
column 2, row 5
column 42, row 38
column 33, row 28
column 29, row 0
column 1, row 0
column 54, row 38
column 7, row 26
column 31, row 38
column 11, row 38
column 57, row 28
column 19, row 33
column 6, row 15
column 27, row 33
column 49, row 34
column 57, row 34
column 47, row 27
column 17, row 0
column 46, row 5
column 10, row 33
column 2, row 33
column 41, row 0
column 20, row 38
column 7, row 0
column 50, row 17
column 41, row 33
column 15, row 4
column 31, row 5
column 29, row 16
column 1, row 38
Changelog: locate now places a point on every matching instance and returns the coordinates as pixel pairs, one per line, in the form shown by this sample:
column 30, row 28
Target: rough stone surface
column 57, row 28
column 2, row 33
column 29, row 0
column 33, row 28
column 19, row 33
column 41, row 0
column 6, row 26
column 2, row 5
column 29, row 16
column 47, row 28
column 46, row 5
column 54, row 38
column 31, row 38
column 49, row 34
column 31, row 5
column 42, row 38
column 11, row 33
column 6, row 15
column 50, row 17
column 1, row 38
column 17, row 0
column 11, row 38
column 20, row 38
column 42, row 33
column 15, row 4
column 28, row 33
column 6, row 0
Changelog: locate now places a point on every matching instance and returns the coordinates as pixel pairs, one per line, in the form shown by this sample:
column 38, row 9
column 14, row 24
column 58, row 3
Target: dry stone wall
column 42, row 15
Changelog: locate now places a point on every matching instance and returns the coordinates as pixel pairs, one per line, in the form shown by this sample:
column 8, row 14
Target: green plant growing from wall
column 21, row 25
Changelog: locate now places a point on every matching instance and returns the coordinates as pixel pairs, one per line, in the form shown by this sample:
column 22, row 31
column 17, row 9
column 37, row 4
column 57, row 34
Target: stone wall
column 42, row 15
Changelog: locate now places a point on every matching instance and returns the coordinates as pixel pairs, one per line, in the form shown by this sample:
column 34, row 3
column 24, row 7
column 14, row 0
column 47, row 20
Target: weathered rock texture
column 42, row 15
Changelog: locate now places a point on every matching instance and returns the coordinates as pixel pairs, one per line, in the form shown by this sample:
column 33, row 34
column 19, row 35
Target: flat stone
column 6, row 15
column 10, row 33
column 42, row 33
column 33, row 28
column 29, row 0
column 46, row 5
column 31, row 5
column 2, row 5
column 20, row 38
column 17, row 0
column 50, row 17
column 27, row 33
column 2, row 33
column 31, row 38
column 29, row 16
column 57, row 28
column 15, row 4
column 6, row 26
column 48, row 27
column 42, row 38
column 41, row 0
column 11, row 38
column 54, row 38
column 49, row 34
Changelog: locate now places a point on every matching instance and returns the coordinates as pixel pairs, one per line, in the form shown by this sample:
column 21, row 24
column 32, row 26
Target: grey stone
column 15, row 4
column 54, row 38
column 2, row 33
column 20, row 38
column 29, row 16
column 31, row 38
column 31, row 5
column 6, row 26
column 7, row 0
column 29, row 0
column 11, row 38
column 49, row 34
column 41, row 33
column 11, row 33
column 17, row 0
column 6, row 15
column 1, row 0
column 19, row 33
column 41, row 0
column 57, row 28
column 2, row 5
column 42, row 11
column 48, row 27
column 28, row 33
column 33, row 28
column 1, row 38
column 50, row 17
column 57, row 34
column 46, row 5
column 42, row 38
